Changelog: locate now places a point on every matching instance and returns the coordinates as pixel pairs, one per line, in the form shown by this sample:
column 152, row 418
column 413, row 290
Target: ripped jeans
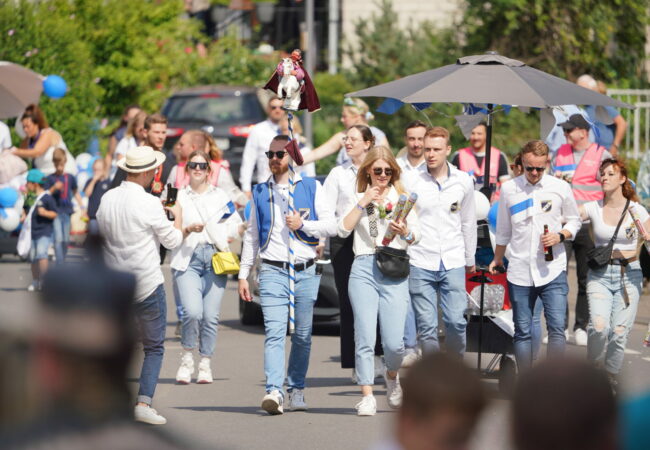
column 610, row 320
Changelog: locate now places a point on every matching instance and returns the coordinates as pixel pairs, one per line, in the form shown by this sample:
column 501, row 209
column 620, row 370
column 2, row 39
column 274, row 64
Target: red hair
column 628, row 191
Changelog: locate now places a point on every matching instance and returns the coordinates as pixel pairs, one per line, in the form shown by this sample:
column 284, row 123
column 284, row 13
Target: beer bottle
column 548, row 251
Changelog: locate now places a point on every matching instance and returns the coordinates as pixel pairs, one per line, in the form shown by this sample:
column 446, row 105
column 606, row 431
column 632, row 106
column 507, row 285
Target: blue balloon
column 8, row 197
column 492, row 215
column 54, row 86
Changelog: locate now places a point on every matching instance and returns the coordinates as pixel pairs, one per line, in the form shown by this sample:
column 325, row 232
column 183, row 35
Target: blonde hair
column 357, row 107
column 211, row 147
column 58, row 155
column 140, row 117
column 373, row 155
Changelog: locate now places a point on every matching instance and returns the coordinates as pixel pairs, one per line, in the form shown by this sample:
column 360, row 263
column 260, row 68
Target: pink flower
column 11, row 32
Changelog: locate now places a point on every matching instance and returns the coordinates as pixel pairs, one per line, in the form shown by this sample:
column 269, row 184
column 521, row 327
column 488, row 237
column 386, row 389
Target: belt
column 622, row 261
column 285, row 265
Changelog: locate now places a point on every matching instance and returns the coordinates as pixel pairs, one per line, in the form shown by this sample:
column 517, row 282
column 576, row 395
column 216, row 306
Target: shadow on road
column 257, row 411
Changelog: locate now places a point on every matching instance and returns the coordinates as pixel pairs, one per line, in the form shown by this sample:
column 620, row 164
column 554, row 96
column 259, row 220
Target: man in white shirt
column 447, row 217
column 259, row 139
column 529, row 204
column 133, row 223
column 268, row 236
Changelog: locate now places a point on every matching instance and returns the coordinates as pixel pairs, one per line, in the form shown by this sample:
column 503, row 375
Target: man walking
column 268, row 235
column 133, row 222
column 447, row 215
column 529, row 222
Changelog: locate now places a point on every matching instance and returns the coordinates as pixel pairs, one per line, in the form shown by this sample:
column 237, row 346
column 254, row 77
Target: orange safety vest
column 467, row 162
column 583, row 176
column 183, row 178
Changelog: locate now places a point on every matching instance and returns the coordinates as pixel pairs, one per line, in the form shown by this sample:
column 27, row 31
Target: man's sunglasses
column 197, row 165
column 531, row 169
column 279, row 154
column 378, row 170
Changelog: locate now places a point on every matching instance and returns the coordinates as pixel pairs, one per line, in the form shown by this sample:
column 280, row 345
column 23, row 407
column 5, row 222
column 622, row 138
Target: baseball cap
column 35, row 176
column 575, row 121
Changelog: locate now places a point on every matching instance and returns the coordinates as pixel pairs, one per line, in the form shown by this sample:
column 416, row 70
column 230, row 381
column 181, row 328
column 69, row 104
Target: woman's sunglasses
column 197, row 165
column 378, row 171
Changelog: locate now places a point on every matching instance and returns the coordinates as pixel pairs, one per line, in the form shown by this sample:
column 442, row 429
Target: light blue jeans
column 201, row 291
column 61, row 236
column 274, row 298
column 374, row 295
column 424, row 286
column 410, row 329
column 610, row 321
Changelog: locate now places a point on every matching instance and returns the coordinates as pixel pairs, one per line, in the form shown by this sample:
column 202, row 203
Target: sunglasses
column 531, row 169
column 276, row 107
column 197, row 165
column 279, row 154
column 386, row 170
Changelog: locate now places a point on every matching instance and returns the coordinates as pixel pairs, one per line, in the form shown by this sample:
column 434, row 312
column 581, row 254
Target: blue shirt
column 605, row 133
column 42, row 226
column 62, row 197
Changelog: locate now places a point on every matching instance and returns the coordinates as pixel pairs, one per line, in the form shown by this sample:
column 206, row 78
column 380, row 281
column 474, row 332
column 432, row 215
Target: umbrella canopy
column 490, row 79
column 19, row 87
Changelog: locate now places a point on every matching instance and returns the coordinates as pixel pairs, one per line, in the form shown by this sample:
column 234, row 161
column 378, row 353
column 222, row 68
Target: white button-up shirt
column 524, row 209
column 253, row 158
column 278, row 247
column 405, row 164
column 447, row 217
column 340, row 188
column 134, row 224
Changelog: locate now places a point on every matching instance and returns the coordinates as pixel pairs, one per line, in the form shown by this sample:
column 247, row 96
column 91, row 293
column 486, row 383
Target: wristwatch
column 562, row 237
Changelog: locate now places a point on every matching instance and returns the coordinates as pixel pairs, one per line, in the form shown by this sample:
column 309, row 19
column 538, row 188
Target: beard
column 279, row 169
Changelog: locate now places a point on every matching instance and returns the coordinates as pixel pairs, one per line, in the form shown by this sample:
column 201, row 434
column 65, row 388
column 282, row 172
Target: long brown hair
column 374, row 154
column 35, row 114
column 628, row 191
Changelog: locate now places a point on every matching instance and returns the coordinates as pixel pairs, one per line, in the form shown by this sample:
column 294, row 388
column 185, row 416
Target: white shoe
column 380, row 368
column 566, row 337
column 581, row 337
column 367, row 406
column 186, row 369
column 33, row 287
column 272, row 403
column 148, row 415
column 297, row 400
column 393, row 391
column 410, row 357
column 205, row 372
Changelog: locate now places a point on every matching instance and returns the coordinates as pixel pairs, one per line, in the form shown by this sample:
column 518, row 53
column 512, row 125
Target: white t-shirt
column 5, row 136
column 602, row 232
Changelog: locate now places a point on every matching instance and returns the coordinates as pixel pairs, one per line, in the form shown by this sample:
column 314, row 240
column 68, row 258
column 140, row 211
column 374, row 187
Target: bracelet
column 360, row 208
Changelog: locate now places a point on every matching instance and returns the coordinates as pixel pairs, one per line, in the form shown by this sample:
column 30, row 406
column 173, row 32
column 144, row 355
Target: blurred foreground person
column 564, row 405
column 77, row 342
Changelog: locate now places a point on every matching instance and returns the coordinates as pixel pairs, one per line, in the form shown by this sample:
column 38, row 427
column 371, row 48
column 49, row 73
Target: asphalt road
column 227, row 413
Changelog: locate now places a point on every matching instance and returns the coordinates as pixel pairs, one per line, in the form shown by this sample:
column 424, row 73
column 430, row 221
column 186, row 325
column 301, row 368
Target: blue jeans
column 424, row 286
column 610, row 321
column 410, row 329
column 177, row 300
column 536, row 330
column 553, row 297
column 274, row 298
column 151, row 314
column 374, row 295
column 201, row 291
column 39, row 248
column 61, row 236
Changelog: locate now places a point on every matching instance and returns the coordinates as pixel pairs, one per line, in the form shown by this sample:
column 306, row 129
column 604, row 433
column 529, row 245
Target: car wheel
column 250, row 313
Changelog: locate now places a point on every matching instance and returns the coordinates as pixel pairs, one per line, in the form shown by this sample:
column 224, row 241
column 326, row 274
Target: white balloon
column 482, row 205
column 83, row 159
column 9, row 219
column 20, row 202
column 82, row 179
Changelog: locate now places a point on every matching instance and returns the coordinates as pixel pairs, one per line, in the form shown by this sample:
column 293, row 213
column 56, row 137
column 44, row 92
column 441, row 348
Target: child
column 43, row 216
column 62, row 186
column 95, row 188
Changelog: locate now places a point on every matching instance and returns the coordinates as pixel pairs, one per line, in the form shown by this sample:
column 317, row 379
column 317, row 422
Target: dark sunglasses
column 378, row 170
column 279, row 154
column 530, row 169
column 276, row 107
column 198, row 165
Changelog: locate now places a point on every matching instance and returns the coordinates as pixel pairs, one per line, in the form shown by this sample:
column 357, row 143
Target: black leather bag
column 392, row 262
column 599, row 257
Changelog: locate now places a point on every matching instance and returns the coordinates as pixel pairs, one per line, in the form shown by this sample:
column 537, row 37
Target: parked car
column 226, row 112
column 8, row 243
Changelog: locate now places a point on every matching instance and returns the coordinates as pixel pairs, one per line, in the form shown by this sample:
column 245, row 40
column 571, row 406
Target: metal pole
column 310, row 63
column 333, row 37
column 487, row 189
column 292, row 241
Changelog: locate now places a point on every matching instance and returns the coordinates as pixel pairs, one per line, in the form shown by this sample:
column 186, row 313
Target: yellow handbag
column 225, row 263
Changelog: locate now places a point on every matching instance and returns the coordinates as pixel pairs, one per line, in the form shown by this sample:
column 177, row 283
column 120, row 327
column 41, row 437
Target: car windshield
column 209, row 109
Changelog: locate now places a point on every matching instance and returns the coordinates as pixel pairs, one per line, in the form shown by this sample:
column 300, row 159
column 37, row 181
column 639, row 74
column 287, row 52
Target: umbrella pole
column 487, row 188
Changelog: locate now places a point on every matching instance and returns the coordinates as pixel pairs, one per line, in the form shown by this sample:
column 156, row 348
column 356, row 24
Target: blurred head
column 442, row 401
column 436, row 147
column 33, row 120
column 576, row 130
column 129, row 113
column 274, row 110
column 190, row 141
column 613, row 177
column 355, row 112
column 99, row 166
column 358, row 140
column 516, row 167
column 478, row 138
column 587, row 82
column 59, row 159
column 155, row 126
column 534, row 156
column 135, row 127
column 198, row 166
column 296, row 55
column 278, row 156
column 414, row 138
column 564, row 404
column 379, row 168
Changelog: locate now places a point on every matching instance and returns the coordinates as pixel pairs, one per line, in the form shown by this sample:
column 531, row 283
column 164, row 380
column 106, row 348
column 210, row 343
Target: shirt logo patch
column 304, row 213
column 547, row 205
column 630, row 232
column 454, row 207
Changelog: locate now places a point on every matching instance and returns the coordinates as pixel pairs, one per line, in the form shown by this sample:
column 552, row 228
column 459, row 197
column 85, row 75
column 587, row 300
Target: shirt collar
column 405, row 158
column 540, row 183
column 296, row 179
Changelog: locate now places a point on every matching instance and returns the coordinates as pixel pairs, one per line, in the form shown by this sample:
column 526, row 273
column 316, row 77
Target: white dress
column 44, row 162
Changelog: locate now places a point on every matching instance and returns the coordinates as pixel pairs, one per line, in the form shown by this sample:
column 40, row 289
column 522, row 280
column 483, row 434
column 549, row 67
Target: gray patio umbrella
column 489, row 79
column 19, row 86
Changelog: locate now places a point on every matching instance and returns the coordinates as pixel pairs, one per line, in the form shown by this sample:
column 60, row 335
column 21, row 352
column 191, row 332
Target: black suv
column 226, row 112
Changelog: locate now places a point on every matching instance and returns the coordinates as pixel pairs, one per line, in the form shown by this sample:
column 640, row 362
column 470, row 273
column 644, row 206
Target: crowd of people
column 395, row 273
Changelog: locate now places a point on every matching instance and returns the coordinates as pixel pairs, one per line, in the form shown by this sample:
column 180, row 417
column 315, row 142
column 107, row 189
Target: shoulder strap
column 620, row 221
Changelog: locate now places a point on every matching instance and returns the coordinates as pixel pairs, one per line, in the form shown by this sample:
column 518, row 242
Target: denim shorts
column 40, row 247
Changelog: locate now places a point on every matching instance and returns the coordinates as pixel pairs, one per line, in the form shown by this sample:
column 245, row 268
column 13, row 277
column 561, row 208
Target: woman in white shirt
column 613, row 290
column 134, row 136
column 212, row 220
column 373, row 295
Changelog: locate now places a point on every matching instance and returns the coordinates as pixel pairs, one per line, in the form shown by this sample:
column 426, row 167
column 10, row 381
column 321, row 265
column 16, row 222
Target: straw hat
column 141, row 159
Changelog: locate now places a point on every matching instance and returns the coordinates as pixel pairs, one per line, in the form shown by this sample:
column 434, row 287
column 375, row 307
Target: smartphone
column 172, row 193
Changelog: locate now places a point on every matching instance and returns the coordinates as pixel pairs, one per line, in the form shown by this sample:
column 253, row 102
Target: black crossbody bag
column 392, row 262
column 599, row 257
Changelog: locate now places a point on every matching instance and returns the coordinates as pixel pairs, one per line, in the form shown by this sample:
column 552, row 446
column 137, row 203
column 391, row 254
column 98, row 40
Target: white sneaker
column 148, row 415
column 272, row 403
column 393, row 391
column 186, row 369
column 367, row 406
column 380, row 368
column 33, row 287
column 410, row 357
column 297, row 400
column 205, row 372
column 566, row 337
column 581, row 337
